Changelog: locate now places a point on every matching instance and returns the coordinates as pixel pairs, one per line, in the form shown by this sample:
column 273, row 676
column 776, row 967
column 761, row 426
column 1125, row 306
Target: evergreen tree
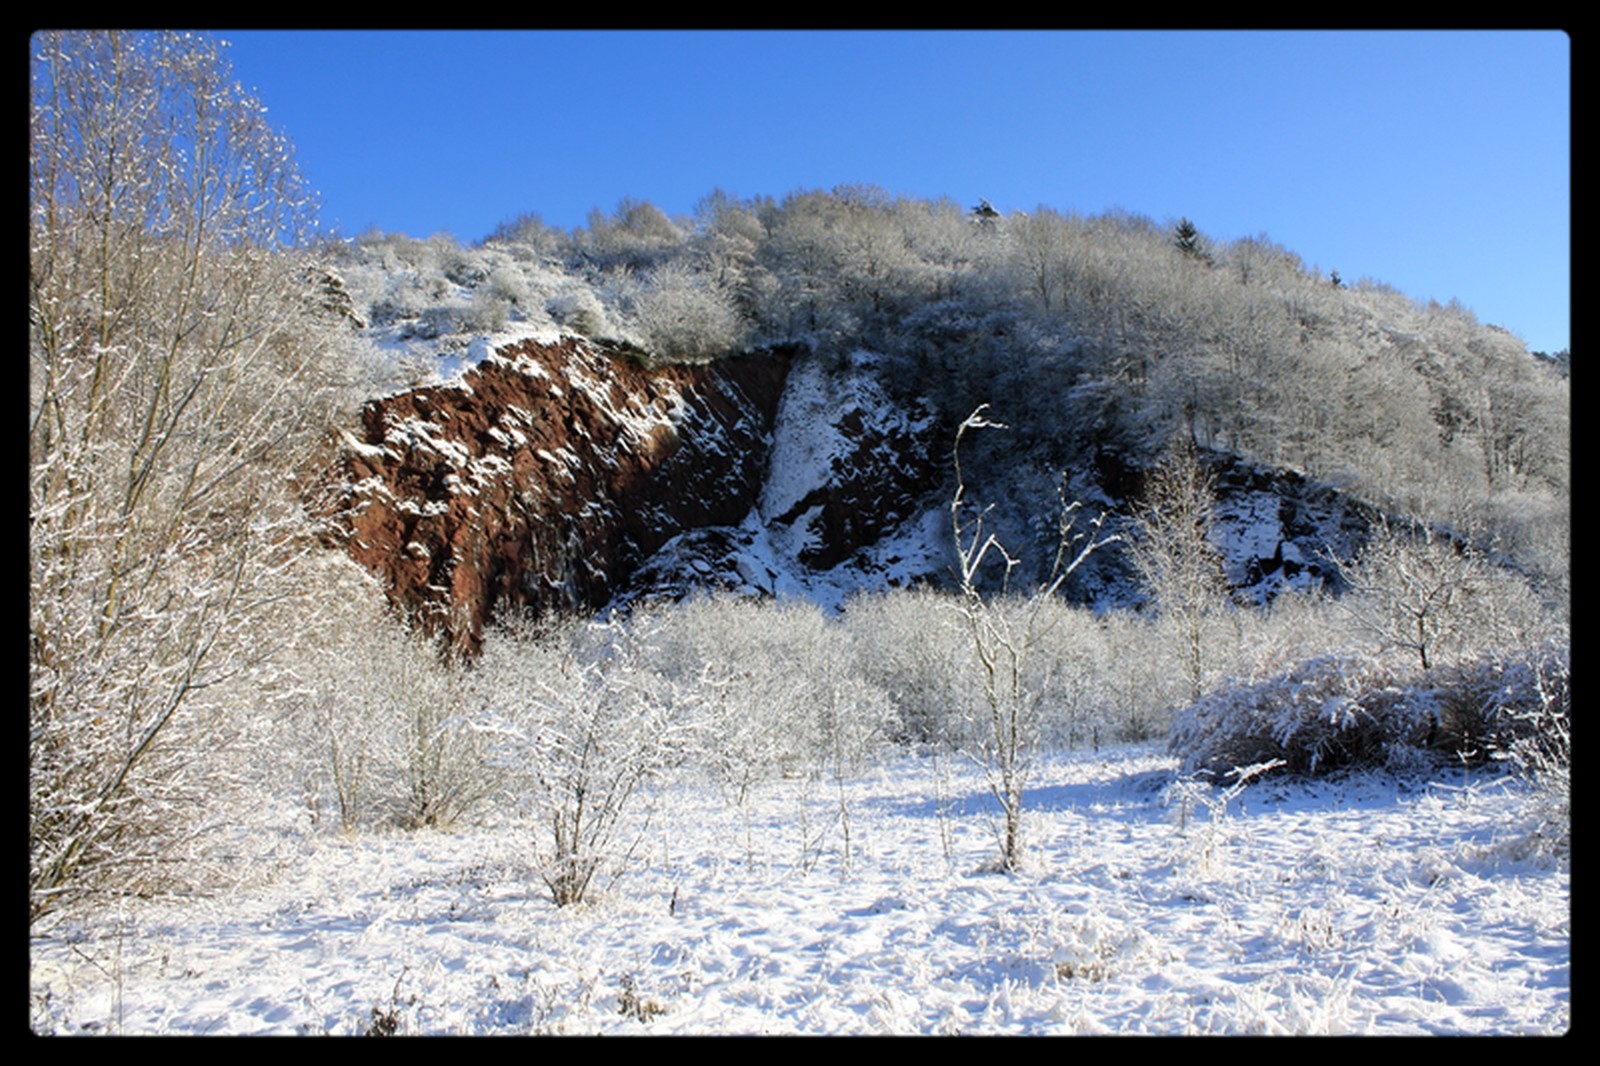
column 1187, row 238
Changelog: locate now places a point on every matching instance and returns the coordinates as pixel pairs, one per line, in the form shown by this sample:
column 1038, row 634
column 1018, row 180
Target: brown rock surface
column 547, row 474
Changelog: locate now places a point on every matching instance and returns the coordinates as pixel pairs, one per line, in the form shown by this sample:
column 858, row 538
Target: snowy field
column 1352, row 906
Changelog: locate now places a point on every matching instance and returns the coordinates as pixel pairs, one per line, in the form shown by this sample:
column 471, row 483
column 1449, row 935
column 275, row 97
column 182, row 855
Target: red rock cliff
column 547, row 474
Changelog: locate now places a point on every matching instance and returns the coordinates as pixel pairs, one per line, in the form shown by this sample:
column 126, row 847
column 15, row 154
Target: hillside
column 1101, row 342
column 555, row 477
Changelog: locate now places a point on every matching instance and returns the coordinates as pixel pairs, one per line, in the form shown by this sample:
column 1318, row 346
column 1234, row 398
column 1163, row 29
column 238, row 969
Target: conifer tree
column 1187, row 239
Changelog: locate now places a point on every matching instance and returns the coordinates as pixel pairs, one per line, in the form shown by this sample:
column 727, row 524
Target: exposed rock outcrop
column 546, row 474
column 1274, row 530
column 849, row 466
column 565, row 476
column 1279, row 530
column 845, row 504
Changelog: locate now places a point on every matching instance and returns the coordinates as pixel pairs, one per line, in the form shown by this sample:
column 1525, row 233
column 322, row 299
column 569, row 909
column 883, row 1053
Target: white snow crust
column 1358, row 906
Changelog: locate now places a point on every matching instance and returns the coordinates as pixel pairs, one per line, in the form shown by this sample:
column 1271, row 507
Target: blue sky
column 1438, row 162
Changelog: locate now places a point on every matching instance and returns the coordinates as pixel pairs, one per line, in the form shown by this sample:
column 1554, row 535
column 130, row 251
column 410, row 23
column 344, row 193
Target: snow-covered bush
column 779, row 690
column 1068, row 669
column 1095, row 947
column 1137, row 679
column 1174, row 553
column 395, row 252
column 406, row 296
column 578, row 722
column 506, row 283
column 578, row 310
column 681, row 316
column 1341, row 710
column 909, row 644
column 528, row 237
column 748, row 722
column 1327, row 712
column 485, row 314
column 375, row 730
column 1101, row 679
column 1271, row 638
column 468, row 267
column 447, row 775
column 1543, row 754
column 850, row 720
column 426, row 765
column 1490, row 706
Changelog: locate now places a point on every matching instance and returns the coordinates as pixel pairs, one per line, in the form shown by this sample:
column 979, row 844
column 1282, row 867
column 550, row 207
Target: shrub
column 508, row 284
column 528, row 235
column 579, row 310
column 580, row 723
column 407, row 295
column 638, row 235
column 777, row 688
column 682, row 317
column 374, row 728
column 909, row 643
column 1493, row 705
column 446, row 773
column 1344, row 711
column 1543, row 753
column 1175, row 555
column 485, row 314
column 1326, row 712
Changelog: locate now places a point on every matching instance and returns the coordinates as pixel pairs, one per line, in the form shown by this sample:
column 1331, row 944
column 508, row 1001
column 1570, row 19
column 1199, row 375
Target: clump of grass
column 632, row 1004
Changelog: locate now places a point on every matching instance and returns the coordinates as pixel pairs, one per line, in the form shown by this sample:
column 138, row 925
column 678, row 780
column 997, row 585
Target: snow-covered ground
column 1363, row 905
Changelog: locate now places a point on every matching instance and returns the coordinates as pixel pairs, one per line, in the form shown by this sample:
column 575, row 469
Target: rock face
column 1277, row 530
column 547, row 474
column 562, row 476
column 1274, row 531
column 849, row 489
column 849, row 467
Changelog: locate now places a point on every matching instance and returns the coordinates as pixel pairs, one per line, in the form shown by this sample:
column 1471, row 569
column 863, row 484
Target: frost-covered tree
column 1040, row 244
column 638, row 234
column 1173, row 550
column 681, row 316
column 178, row 384
column 727, row 235
column 1434, row 596
column 1004, row 634
column 528, row 236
